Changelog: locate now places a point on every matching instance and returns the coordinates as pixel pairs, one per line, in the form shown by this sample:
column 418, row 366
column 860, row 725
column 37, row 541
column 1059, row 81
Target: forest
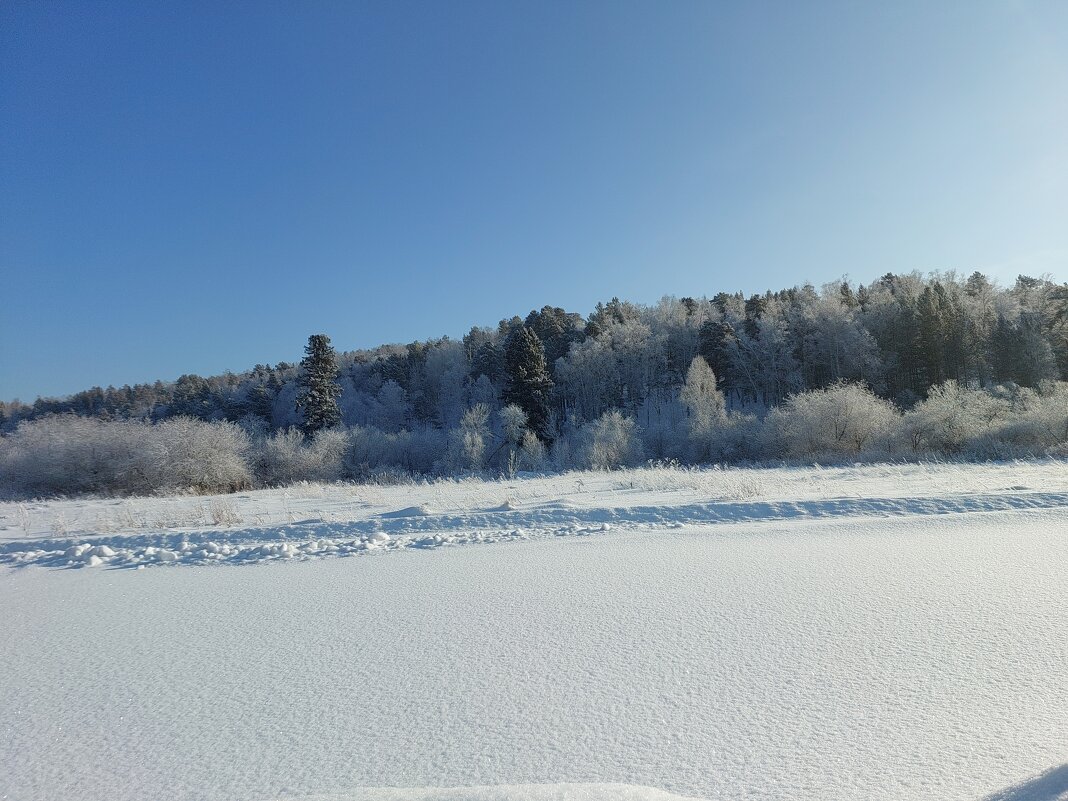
column 902, row 368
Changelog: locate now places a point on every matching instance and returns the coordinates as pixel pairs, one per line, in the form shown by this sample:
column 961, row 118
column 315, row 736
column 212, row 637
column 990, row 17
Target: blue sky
column 195, row 187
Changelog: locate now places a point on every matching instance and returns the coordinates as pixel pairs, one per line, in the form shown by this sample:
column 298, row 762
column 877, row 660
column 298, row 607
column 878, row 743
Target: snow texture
column 504, row 792
column 881, row 635
column 322, row 520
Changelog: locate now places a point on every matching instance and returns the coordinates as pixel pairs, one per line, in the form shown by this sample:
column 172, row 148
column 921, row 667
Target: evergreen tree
column 933, row 323
column 529, row 383
column 712, row 341
column 556, row 329
column 261, row 402
column 319, row 389
column 192, row 398
column 849, row 300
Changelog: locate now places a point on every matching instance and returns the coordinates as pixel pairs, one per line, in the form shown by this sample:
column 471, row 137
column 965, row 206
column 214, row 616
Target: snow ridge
column 420, row 527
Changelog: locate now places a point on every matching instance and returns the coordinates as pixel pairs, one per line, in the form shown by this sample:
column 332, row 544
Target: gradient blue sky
column 195, row 187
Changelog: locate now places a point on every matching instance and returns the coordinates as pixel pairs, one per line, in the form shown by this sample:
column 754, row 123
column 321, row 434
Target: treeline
column 900, row 336
column 67, row 454
column 901, row 340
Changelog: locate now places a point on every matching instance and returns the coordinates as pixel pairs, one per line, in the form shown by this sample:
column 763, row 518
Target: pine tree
column 712, row 342
column 529, row 383
column 931, row 319
column 192, row 398
column 319, row 388
column 260, row 402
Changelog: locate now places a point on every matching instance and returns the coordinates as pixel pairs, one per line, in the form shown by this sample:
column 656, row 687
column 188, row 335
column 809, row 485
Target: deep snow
column 827, row 651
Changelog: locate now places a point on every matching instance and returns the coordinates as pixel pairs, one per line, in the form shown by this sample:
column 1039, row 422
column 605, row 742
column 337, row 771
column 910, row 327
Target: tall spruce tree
column 319, row 389
column 529, row 382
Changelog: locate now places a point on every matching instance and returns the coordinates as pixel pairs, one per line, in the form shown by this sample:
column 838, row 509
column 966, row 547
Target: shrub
column 532, row 455
column 841, row 420
column 954, row 417
column 288, row 456
column 372, row 450
column 203, row 457
column 66, row 454
column 1041, row 418
column 611, row 442
column 467, row 449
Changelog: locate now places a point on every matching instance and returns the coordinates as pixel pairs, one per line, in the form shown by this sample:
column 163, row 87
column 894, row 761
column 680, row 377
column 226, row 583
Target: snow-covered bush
column 513, row 422
column 1040, row 419
column 374, row 451
column 203, row 457
column 665, row 434
column 279, row 460
column 468, row 441
column 533, row 457
column 955, row 418
column 512, row 430
column 420, row 450
column 610, row 442
column 738, row 438
column 841, row 420
column 370, row 449
column 289, row 456
column 73, row 455
column 328, row 450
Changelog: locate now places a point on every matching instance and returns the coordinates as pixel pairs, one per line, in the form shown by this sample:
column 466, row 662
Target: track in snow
column 419, row 527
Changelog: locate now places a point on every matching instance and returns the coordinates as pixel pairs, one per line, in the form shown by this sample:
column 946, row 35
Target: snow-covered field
column 873, row 632
column 317, row 520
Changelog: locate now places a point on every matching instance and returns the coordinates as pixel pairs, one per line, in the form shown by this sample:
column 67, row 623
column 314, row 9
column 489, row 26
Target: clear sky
column 195, row 187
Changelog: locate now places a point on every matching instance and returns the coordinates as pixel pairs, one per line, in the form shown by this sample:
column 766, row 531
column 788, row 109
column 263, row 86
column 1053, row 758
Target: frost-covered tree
column 513, row 422
column 901, row 335
column 529, row 383
column 319, row 387
column 482, row 390
column 705, row 406
column 193, row 398
column 619, row 368
column 392, row 406
column 760, row 351
column 588, row 378
column 470, row 438
column 704, row 402
column 532, row 453
column 833, row 344
column 260, row 401
column 557, row 330
column 445, row 370
column 611, row 442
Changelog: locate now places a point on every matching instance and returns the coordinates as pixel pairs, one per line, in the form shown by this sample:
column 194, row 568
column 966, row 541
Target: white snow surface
column 312, row 521
column 879, row 632
column 507, row 792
